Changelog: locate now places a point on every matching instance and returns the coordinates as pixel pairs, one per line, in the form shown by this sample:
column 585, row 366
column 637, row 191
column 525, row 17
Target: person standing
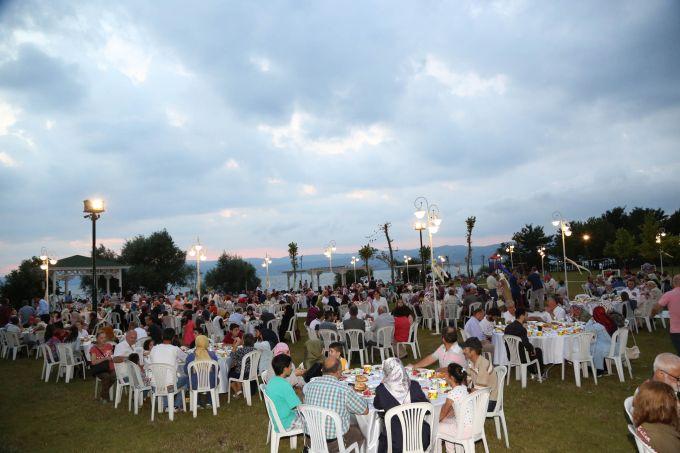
column 671, row 300
column 537, row 290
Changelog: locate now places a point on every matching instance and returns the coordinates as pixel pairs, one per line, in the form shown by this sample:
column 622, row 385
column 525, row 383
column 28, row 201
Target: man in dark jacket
column 517, row 329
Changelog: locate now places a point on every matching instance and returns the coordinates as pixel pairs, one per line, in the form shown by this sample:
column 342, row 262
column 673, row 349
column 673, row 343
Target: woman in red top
column 189, row 335
column 403, row 317
column 101, row 354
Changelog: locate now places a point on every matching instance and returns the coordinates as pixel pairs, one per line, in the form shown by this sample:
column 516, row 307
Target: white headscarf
column 396, row 380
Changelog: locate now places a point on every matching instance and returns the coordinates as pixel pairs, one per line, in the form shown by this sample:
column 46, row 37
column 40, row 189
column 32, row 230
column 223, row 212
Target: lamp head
column 203, row 257
column 555, row 222
column 420, row 213
column 43, row 267
column 43, row 257
column 94, row 206
column 53, row 261
column 433, row 229
column 192, row 252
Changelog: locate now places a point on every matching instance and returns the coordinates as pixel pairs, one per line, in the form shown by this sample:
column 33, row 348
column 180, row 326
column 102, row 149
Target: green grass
column 554, row 416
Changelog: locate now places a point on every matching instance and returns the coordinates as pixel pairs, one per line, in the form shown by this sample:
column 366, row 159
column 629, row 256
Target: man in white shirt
column 169, row 354
column 509, row 315
column 550, row 284
column 141, row 333
column 487, row 324
column 448, row 352
column 633, row 292
column 126, row 347
column 555, row 310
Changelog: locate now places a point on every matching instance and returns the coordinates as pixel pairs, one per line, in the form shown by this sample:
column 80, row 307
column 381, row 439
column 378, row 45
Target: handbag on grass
column 633, row 352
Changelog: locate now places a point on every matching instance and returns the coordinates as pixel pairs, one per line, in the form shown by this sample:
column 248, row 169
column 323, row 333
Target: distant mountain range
column 455, row 253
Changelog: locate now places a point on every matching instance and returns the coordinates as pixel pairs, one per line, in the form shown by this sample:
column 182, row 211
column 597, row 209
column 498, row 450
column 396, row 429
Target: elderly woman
column 396, row 389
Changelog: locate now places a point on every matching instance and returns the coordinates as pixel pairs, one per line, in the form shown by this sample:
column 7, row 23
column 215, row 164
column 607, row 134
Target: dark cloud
column 46, row 83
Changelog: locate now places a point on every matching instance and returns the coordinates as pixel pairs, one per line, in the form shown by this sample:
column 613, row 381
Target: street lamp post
column 541, row 251
column 265, row 263
column 565, row 230
column 354, row 264
column 47, row 258
column 406, row 260
column 197, row 251
column 93, row 210
column 419, row 227
column 511, row 249
column 424, row 210
column 330, row 249
column 659, row 238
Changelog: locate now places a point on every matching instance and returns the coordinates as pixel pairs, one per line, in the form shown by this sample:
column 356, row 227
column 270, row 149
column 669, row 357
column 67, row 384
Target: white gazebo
column 81, row 266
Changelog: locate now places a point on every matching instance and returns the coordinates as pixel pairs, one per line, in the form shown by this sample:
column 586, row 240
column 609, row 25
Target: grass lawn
column 554, row 416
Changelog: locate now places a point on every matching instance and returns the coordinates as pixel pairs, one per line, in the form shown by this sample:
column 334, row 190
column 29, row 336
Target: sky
column 253, row 124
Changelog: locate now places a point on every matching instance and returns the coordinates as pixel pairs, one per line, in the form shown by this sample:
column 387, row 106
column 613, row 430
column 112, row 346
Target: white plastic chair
column 68, row 362
column 412, row 340
column 115, row 320
column 137, row 386
column 642, row 447
column 291, row 329
column 355, row 343
column 451, row 313
column 275, row 435
column 164, row 385
column 384, row 338
column 479, row 401
column 274, row 325
column 581, row 358
column 265, row 376
column 628, row 405
column 617, row 354
column 3, row 343
column 328, row 336
column 202, row 371
column 514, row 361
column 472, row 307
column 411, row 419
column 498, row 413
column 463, row 335
column 315, row 419
column 48, row 362
column 252, row 362
column 14, row 344
column 122, row 382
column 644, row 313
column 427, row 309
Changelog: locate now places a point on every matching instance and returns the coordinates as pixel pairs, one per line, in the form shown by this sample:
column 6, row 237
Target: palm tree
column 366, row 253
column 292, row 254
column 470, row 223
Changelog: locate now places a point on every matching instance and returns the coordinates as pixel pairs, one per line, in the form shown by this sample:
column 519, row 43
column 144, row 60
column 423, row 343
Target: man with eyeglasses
column 667, row 370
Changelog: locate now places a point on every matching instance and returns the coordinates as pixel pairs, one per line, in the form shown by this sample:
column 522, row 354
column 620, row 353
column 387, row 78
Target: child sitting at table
column 335, row 351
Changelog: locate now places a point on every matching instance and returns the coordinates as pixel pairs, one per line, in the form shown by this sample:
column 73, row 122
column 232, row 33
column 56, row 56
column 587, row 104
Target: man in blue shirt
column 282, row 394
column 43, row 307
column 537, row 290
column 474, row 329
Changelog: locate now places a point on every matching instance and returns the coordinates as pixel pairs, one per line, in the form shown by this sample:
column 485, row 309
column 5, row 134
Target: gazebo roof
column 80, row 261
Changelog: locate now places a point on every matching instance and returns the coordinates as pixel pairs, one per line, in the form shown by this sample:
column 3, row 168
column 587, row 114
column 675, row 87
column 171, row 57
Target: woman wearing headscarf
column 201, row 354
column 601, row 317
column 288, row 314
column 396, row 389
column 295, row 379
column 603, row 340
column 313, row 359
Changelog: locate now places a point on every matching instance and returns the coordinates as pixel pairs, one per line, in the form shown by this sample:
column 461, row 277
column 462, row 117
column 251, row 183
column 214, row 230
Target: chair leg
column 592, row 366
column 563, row 369
column 497, row 422
column 171, row 408
column 630, row 368
column 215, row 401
column 619, row 368
column 505, row 430
column 153, row 406
column 275, row 443
column 523, row 372
column 577, row 373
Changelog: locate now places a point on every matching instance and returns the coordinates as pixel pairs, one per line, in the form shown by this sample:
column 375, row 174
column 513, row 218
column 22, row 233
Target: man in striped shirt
column 329, row 392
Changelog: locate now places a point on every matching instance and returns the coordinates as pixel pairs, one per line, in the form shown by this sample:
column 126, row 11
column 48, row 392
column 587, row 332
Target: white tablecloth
column 553, row 347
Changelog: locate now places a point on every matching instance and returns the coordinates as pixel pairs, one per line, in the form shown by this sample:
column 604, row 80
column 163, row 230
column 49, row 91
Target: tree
column 623, row 248
column 155, row 262
column 293, row 255
column 366, row 253
column 672, row 223
column 349, row 278
column 232, row 273
column 648, row 248
column 101, row 252
column 424, row 253
column 527, row 241
column 386, row 229
column 470, row 224
column 24, row 283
